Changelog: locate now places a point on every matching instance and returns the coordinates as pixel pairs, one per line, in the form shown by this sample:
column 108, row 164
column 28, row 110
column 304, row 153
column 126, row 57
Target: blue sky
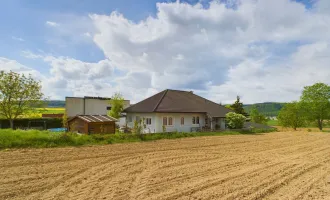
column 142, row 48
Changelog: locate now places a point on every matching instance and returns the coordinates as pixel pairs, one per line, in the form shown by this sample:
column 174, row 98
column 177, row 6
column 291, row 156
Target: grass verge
column 44, row 139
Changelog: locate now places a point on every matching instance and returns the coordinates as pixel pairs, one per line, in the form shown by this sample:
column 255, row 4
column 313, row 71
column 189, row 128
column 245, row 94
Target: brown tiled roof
column 95, row 118
column 175, row 101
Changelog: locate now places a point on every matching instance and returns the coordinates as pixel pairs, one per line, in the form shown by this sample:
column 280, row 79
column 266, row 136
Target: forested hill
column 267, row 108
column 55, row 104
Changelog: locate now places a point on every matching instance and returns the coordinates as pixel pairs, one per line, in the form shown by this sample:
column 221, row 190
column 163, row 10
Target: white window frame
column 129, row 118
column 137, row 116
column 195, row 122
column 168, row 120
column 146, row 121
column 183, row 121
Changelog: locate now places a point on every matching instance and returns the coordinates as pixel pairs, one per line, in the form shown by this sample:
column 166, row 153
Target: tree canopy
column 257, row 117
column 292, row 115
column 117, row 105
column 237, row 107
column 315, row 101
column 18, row 95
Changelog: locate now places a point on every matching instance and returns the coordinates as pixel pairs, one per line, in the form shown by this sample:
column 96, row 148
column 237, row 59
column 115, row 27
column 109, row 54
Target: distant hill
column 267, row 108
column 55, row 104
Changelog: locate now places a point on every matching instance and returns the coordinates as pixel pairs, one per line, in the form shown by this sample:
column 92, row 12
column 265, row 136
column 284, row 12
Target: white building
column 90, row 106
column 176, row 110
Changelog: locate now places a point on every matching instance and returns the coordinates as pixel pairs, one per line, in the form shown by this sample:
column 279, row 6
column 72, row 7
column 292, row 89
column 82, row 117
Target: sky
column 261, row 50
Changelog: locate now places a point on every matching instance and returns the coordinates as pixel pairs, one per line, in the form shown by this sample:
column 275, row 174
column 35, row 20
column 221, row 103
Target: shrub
column 138, row 128
column 234, row 120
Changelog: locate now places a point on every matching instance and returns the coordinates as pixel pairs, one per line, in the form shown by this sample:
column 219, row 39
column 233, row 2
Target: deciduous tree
column 315, row 101
column 19, row 95
column 292, row 115
column 117, row 105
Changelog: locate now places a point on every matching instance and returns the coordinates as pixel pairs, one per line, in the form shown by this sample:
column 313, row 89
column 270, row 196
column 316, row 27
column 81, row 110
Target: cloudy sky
column 262, row 50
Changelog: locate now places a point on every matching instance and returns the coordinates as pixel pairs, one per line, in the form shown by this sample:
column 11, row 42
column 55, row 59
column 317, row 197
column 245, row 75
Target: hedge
column 34, row 122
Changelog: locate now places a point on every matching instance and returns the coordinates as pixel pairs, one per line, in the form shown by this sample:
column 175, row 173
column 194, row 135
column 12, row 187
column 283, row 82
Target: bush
column 24, row 123
column 234, row 120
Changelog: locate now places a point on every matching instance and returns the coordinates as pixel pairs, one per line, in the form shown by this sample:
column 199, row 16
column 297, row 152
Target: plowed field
column 290, row 165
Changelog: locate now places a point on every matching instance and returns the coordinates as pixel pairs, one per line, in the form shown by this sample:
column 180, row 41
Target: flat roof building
column 89, row 105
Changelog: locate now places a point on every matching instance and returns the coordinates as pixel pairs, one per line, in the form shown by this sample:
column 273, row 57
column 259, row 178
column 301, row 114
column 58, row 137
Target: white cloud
column 12, row 65
column 29, row 54
column 17, row 39
column 218, row 49
column 53, row 24
column 263, row 50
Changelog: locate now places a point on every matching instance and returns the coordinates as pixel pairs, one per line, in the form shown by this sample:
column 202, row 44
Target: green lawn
column 43, row 139
column 272, row 123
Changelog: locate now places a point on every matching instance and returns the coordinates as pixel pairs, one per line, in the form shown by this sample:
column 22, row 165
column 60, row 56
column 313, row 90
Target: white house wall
column 157, row 121
column 75, row 106
column 96, row 106
column 149, row 128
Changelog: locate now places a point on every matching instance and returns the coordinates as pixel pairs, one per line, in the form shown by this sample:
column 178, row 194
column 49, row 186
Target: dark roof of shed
column 94, row 118
column 176, row 101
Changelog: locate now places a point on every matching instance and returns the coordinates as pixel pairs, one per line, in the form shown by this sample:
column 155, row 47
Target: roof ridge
column 180, row 90
column 160, row 100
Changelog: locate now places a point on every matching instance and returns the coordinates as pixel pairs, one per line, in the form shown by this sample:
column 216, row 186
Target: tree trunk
column 11, row 121
column 320, row 124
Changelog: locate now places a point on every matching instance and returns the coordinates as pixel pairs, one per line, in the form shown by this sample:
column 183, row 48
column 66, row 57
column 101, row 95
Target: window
column 195, row 120
column 148, row 121
column 182, row 120
column 165, row 121
column 206, row 121
column 108, row 107
column 170, row 121
column 129, row 119
column 137, row 118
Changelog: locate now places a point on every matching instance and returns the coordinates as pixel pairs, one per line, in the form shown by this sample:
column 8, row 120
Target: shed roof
column 95, row 118
column 176, row 101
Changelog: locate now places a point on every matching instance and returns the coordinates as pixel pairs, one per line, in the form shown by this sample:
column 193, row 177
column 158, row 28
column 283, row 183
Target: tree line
column 312, row 107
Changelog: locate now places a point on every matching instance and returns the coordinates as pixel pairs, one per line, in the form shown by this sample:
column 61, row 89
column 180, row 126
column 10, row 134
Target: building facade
column 89, row 105
column 174, row 110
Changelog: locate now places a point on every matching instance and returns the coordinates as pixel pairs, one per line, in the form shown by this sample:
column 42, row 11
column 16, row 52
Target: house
column 175, row 110
column 89, row 124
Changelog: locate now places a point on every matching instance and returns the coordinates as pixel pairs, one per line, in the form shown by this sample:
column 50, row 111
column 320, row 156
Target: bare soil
column 283, row 165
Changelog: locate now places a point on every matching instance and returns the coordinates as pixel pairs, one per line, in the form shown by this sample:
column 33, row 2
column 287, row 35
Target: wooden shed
column 90, row 124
